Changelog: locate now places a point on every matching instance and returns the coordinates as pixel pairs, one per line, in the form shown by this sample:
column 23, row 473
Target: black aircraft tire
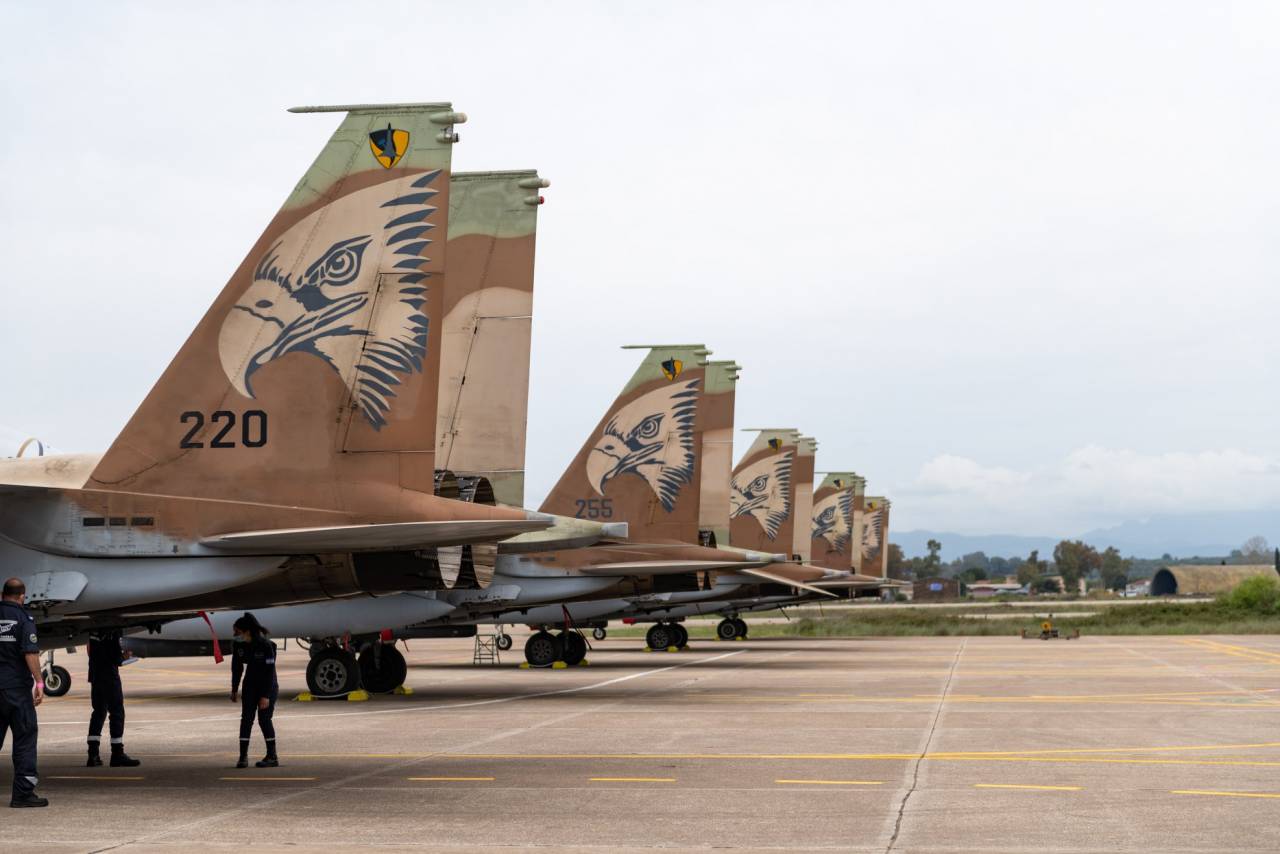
column 382, row 670
column 542, row 649
column 333, row 672
column 504, row 641
column 727, row 629
column 574, row 646
column 660, row 636
column 682, row 635
column 57, row 681
column 741, row 626
column 599, row 633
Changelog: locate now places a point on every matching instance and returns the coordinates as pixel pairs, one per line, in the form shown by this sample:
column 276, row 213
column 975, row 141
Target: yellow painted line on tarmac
column 270, row 779
column 89, row 777
column 1026, row 786
column 1248, row 652
column 451, row 779
column 830, row 782
column 1224, row 794
column 633, row 779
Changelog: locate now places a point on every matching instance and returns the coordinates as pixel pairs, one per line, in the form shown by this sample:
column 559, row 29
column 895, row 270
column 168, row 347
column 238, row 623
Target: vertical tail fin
column 802, row 481
column 485, row 332
column 641, row 463
column 762, row 494
column 717, row 453
column 832, row 544
column 874, row 549
column 314, row 373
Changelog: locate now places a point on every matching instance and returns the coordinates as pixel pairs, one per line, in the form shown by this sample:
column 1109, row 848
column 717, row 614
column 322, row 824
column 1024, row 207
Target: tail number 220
column 252, row 433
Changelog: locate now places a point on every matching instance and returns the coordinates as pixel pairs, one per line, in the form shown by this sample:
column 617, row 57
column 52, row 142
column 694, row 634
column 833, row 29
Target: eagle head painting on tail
column 762, row 490
column 316, row 291
column 651, row 437
column 831, row 519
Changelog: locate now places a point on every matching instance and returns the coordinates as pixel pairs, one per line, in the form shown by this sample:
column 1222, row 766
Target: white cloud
column 1089, row 487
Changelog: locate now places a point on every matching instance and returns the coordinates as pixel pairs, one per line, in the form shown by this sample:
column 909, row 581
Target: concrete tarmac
column 908, row 744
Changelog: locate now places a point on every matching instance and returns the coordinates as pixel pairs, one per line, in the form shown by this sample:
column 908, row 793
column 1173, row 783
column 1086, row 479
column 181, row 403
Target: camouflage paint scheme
column 831, row 542
column 299, row 415
column 761, row 492
column 487, row 326
column 717, row 452
column 874, row 537
column 802, row 485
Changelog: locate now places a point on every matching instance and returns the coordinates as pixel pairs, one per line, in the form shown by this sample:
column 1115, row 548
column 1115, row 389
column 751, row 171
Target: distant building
column 988, row 589
column 1138, row 588
column 1205, row 579
column 936, row 590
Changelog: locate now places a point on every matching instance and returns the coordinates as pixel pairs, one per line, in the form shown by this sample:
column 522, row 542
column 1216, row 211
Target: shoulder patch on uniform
column 33, row 637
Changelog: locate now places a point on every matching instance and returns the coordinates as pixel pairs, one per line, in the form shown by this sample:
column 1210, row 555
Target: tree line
column 1072, row 560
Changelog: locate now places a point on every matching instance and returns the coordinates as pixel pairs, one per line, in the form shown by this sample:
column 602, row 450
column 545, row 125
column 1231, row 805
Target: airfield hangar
column 1204, row 579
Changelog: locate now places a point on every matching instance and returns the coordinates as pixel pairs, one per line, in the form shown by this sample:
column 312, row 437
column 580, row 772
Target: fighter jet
column 640, row 464
column 286, row 453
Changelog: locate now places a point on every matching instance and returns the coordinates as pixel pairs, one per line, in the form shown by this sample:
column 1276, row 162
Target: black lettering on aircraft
column 594, row 508
column 253, row 429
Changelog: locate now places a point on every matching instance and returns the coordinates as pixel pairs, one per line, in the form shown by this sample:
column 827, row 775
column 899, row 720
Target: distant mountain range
column 1202, row 534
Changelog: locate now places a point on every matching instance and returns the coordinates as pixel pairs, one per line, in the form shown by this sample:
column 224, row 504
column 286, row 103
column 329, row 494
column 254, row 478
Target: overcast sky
column 1015, row 262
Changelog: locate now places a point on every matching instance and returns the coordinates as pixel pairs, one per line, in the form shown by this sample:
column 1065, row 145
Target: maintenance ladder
column 486, row 651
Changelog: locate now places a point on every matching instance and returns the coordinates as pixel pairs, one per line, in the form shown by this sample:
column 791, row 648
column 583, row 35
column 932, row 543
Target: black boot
column 95, row 758
column 120, row 759
column 270, row 760
column 31, row 800
column 243, row 761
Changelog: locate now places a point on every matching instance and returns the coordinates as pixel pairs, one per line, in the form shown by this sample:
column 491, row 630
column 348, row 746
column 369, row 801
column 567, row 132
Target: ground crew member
column 105, row 656
column 253, row 655
column 21, row 690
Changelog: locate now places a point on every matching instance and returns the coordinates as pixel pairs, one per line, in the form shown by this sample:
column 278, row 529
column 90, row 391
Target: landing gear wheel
column 574, row 646
column 382, row 670
column 542, row 649
column 57, row 681
column 599, row 633
column 333, row 672
column 504, row 641
column 741, row 626
column 660, row 636
column 727, row 629
column 682, row 635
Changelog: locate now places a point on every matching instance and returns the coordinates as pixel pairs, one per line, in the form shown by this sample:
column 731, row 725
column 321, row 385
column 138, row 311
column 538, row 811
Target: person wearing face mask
column 253, row 657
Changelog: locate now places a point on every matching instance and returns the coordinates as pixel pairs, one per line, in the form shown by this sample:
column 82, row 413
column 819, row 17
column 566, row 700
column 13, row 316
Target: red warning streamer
column 217, row 647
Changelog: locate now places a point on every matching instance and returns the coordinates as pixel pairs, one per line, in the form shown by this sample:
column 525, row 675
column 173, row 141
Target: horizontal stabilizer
column 659, row 567
column 394, row 536
column 782, row 579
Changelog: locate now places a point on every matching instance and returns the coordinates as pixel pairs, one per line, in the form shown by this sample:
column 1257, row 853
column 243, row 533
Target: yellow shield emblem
column 672, row 368
column 389, row 145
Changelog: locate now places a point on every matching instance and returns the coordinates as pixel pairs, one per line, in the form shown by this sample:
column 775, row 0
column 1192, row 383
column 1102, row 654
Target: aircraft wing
column 394, row 536
column 852, row 581
column 781, row 579
column 659, row 567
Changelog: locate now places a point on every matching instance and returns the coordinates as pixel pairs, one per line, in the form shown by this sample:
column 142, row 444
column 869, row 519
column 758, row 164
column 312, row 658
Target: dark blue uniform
column 106, row 694
column 256, row 662
column 17, row 709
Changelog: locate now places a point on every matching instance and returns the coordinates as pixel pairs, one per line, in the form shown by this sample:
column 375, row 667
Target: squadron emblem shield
column 672, row 368
column 775, row 444
column 389, row 145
